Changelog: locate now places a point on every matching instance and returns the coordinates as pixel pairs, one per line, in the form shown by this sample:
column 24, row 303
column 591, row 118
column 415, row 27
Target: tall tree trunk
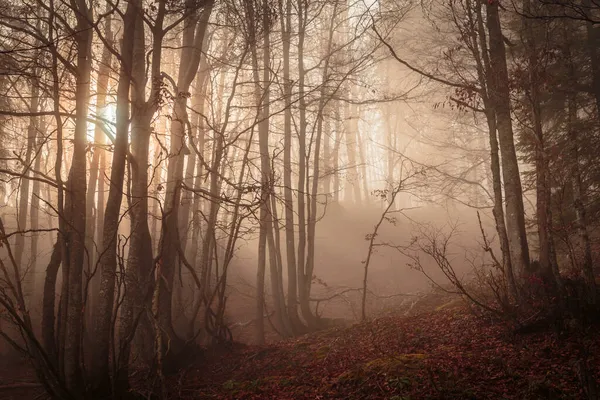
column 4, row 153
column 63, row 217
column 500, row 96
column 24, row 189
column 362, row 145
column 193, row 38
column 200, row 87
column 187, row 220
column 276, row 262
column 580, row 212
column 352, row 188
column 391, row 152
column 327, row 170
column 336, row 153
column 215, row 173
column 199, row 179
column 75, row 205
column 34, row 215
column 547, row 255
column 313, row 193
column 156, row 182
column 290, row 237
column 96, row 180
column 303, row 294
column 196, row 213
column 581, row 222
column 484, row 74
column 48, row 303
column 261, row 93
column 267, row 211
column 136, row 335
column 104, row 327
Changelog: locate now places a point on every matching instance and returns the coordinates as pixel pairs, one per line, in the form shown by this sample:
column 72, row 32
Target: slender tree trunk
column 103, row 327
column 303, row 285
column 194, row 166
column 99, row 218
column 4, row 153
column 34, row 215
column 199, row 179
column 290, row 237
column 266, row 211
column 193, row 39
column 139, row 275
column 581, row 222
column 336, row 153
column 547, row 255
column 362, row 145
column 75, row 205
column 498, row 209
column 312, row 215
column 500, row 96
column 63, row 217
column 578, row 196
column 48, row 303
column 353, row 180
column 136, row 336
column 24, row 188
column 188, row 221
column 327, row 170
column 96, row 180
column 372, row 237
column 261, row 93
column 213, row 212
column 276, row 260
column 391, row 156
column 156, row 182
column 484, row 73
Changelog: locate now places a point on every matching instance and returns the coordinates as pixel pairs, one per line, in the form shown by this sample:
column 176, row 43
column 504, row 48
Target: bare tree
column 195, row 26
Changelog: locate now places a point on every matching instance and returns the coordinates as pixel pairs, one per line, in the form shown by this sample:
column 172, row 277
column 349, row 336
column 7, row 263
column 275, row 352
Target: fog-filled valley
column 299, row 199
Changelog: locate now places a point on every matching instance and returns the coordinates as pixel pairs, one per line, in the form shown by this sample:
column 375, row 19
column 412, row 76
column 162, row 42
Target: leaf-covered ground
column 444, row 354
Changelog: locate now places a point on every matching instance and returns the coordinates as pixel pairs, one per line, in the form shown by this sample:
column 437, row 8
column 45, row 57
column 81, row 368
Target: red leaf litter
column 448, row 354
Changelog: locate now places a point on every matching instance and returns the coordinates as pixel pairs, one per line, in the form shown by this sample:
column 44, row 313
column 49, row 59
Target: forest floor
column 445, row 352
column 442, row 351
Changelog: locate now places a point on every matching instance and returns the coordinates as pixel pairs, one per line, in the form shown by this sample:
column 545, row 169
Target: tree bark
column 261, row 93
column 193, row 38
column 24, row 189
column 547, row 256
column 94, row 216
column 303, row 285
column 34, row 216
column 136, row 334
column 500, row 96
column 267, row 210
column 104, row 326
column 581, row 222
column 200, row 88
column 336, row 153
column 290, row 237
column 484, row 74
column 593, row 45
column 48, row 303
column 313, row 193
column 352, row 188
column 75, row 205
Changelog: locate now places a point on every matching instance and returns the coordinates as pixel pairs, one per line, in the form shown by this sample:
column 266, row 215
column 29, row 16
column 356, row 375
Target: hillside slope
column 445, row 354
